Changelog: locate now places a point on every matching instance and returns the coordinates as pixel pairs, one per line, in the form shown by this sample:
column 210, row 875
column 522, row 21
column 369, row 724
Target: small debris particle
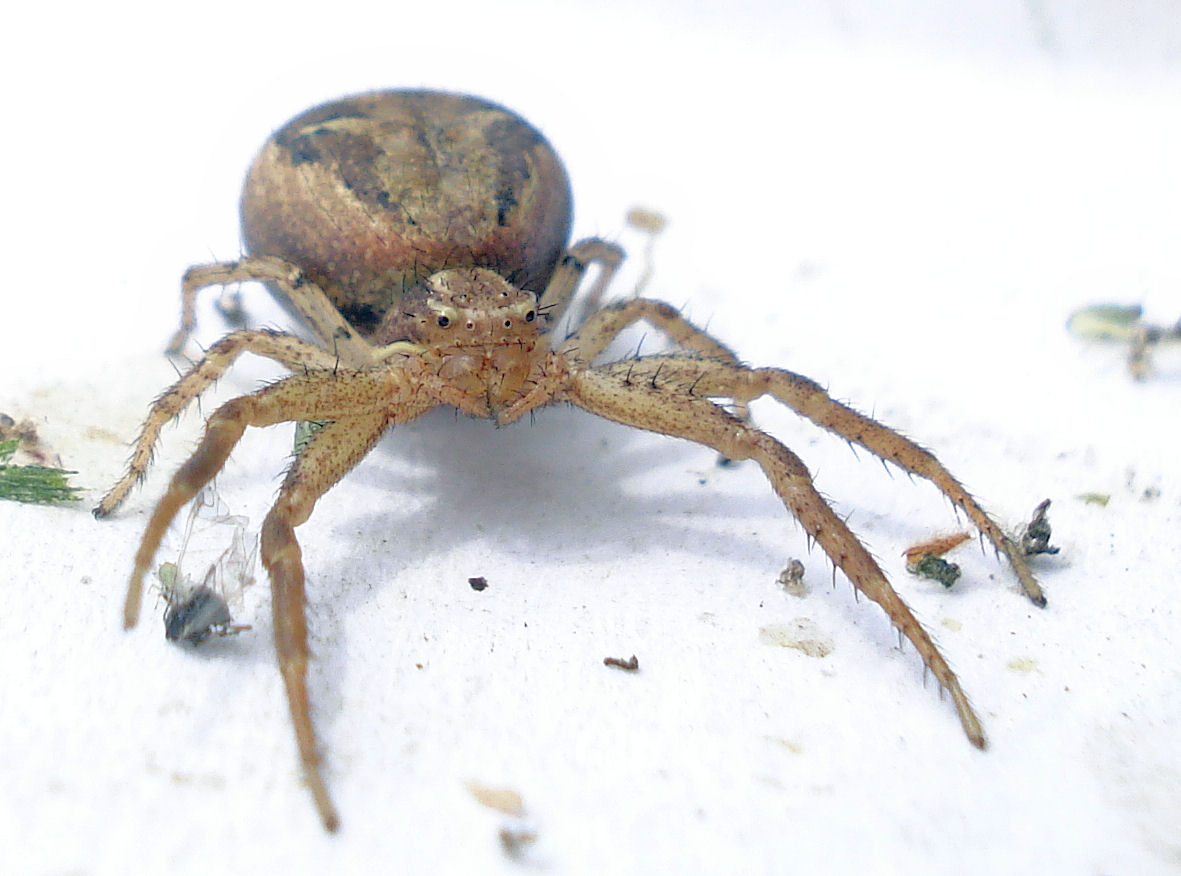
column 952, row 624
column 479, row 583
column 1123, row 324
column 1034, row 537
column 30, row 448
column 935, row 547
column 802, row 634
column 196, row 612
column 788, row 744
column 1106, row 322
column 515, row 840
column 935, row 568
column 646, row 219
column 925, row 559
column 792, row 578
column 516, row 835
column 504, row 800
column 36, row 484
column 201, row 614
column 1100, row 499
column 631, row 664
column 1022, row 664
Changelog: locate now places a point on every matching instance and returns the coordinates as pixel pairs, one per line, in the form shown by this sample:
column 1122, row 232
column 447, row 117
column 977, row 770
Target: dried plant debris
column 1034, row 536
column 196, row 612
column 31, row 449
column 503, row 800
column 516, row 835
column 800, row 634
column 29, row 470
column 631, row 664
column 1124, row 324
column 925, row 559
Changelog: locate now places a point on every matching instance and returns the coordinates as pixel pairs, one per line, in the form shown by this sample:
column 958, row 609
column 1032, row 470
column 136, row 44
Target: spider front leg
column 808, row 399
column 324, row 395
column 287, row 350
column 604, row 326
column 632, row 393
column 360, row 405
column 333, row 451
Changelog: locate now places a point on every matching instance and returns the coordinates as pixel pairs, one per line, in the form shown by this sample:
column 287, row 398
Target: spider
column 421, row 239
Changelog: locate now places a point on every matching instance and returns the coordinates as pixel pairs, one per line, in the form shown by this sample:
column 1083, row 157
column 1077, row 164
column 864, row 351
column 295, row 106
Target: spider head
column 476, row 307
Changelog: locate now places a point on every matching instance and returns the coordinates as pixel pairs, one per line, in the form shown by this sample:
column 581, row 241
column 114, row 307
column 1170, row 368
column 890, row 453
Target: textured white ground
column 905, row 206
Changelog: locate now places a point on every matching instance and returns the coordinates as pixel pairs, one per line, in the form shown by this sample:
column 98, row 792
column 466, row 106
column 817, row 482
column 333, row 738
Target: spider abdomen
column 372, row 194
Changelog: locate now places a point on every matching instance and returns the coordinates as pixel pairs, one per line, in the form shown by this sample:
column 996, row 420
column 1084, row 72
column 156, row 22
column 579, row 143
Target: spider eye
column 444, row 322
column 530, row 316
column 508, row 323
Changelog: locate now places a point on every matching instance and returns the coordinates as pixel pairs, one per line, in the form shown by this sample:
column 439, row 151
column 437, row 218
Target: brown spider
column 421, row 238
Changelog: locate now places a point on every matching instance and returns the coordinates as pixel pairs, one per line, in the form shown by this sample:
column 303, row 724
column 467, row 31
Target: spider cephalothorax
column 421, row 239
column 480, row 336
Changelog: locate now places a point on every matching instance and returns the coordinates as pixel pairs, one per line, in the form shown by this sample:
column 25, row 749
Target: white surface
column 905, row 207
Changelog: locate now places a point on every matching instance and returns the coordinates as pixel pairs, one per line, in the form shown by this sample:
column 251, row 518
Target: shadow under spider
column 559, row 487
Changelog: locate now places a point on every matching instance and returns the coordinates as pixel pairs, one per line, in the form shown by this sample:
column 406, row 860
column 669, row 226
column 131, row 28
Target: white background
column 905, row 206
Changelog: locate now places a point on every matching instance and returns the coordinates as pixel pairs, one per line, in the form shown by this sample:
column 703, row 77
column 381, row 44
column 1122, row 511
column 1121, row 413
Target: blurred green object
column 937, row 568
column 1102, row 322
column 1122, row 323
column 33, row 483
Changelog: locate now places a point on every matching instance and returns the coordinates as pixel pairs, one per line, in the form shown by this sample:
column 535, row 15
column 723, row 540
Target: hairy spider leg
column 622, row 392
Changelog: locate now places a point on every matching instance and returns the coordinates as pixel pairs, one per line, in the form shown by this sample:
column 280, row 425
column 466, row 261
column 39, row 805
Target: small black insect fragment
column 197, row 611
column 196, row 618
column 478, row 584
column 1035, row 535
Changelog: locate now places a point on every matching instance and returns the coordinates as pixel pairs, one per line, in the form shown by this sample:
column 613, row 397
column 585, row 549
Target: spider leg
column 312, row 396
column 809, row 399
column 360, row 406
column 292, row 286
column 629, row 393
column 559, row 292
column 288, row 350
column 332, row 453
column 604, row 325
